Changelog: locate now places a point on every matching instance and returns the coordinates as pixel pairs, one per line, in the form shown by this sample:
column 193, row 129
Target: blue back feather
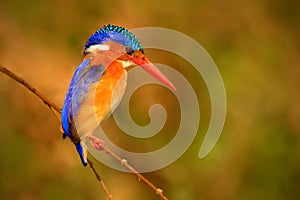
column 83, row 77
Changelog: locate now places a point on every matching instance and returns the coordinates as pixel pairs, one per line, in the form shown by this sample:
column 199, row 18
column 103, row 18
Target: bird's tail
column 82, row 151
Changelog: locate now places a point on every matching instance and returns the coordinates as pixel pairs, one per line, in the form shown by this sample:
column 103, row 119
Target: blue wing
column 85, row 77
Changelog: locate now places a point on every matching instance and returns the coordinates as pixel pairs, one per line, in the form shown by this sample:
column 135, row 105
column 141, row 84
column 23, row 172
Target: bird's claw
column 96, row 142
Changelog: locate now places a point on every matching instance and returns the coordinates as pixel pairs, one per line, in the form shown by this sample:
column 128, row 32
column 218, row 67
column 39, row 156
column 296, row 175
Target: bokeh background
column 256, row 46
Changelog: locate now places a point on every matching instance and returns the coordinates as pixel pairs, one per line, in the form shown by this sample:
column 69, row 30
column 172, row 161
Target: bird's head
column 129, row 49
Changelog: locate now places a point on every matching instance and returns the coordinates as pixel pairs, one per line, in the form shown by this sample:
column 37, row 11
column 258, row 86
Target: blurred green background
column 256, row 46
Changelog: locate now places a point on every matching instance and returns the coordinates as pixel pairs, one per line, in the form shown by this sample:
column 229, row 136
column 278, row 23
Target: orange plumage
column 109, row 90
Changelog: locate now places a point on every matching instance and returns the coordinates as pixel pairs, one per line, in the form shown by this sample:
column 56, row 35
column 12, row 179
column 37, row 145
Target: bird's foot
column 96, row 142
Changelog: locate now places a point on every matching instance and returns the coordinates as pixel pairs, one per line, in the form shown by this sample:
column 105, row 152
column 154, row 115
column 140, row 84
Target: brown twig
column 91, row 164
column 100, row 145
column 46, row 101
column 55, row 109
column 124, row 163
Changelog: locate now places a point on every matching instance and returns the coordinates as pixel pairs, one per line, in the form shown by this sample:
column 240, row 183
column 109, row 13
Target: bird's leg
column 96, row 142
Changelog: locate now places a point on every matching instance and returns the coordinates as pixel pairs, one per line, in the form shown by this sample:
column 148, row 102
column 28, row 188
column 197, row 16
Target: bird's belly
column 110, row 90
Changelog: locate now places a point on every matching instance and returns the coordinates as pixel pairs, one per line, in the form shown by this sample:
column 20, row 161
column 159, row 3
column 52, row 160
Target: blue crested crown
column 116, row 34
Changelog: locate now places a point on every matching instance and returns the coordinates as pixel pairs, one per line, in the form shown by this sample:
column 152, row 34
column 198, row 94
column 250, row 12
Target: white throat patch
column 126, row 63
column 102, row 47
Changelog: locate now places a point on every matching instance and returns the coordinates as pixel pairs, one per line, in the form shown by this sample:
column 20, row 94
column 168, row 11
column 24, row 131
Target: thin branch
column 46, row 101
column 55, row 109
column 140, row 177
column 100, row 145
column 91, row 164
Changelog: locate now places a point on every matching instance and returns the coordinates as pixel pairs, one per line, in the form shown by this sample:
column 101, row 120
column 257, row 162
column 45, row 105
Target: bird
column 99, row 82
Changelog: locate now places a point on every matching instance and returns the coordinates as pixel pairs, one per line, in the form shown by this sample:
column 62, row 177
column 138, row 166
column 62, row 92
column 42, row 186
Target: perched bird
column 99, row 82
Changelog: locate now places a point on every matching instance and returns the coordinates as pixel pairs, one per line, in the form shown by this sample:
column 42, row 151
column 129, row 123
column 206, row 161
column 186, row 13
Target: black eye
column 129, row 50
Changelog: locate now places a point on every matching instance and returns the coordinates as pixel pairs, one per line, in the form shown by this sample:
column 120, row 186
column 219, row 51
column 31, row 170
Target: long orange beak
column 151, row 69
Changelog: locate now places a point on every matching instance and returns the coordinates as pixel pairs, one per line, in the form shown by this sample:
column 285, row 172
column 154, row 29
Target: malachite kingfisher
column 99, row 82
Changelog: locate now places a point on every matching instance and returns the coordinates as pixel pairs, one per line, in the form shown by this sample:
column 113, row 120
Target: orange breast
column 110, row 90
